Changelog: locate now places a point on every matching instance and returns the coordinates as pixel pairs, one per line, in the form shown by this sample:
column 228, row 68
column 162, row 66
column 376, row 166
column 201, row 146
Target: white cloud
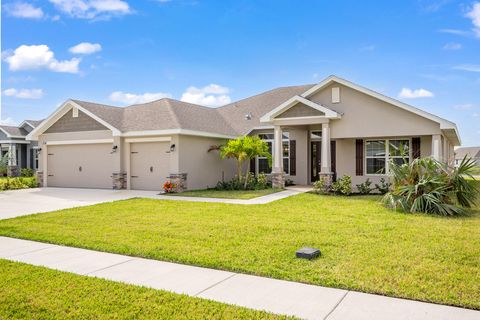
column 452, row 46
column 468, row 67
column 24, row 93
column 407, row 93
column 23, row 10
column 474, row 15
column 91, row 9
column 370, row 47
column 454, row 31
column 7, row 122
column 131, row 98
column 212, row 95
column 39, row 57
column 476, row 115
column 466, row 106
column 85, row 48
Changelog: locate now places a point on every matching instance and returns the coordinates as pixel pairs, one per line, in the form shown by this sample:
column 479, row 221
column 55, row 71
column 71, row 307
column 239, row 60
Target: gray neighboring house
column 328, row 129
column 13, row 141
column 471, row 152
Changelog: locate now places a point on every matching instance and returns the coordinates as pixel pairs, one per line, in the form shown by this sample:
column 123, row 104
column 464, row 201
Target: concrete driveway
column 28, row 201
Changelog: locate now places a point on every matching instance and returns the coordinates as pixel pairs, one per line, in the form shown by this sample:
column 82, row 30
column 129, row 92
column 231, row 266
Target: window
column 262, row 162
column 74, row 112
column 316, row 135
column 380, row 152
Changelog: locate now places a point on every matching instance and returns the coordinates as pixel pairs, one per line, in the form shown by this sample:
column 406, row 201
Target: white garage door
column 80, row 166
column 149, row 163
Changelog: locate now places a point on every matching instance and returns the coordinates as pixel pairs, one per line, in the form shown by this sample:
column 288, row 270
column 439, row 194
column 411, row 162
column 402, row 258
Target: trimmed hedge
column 17, row 183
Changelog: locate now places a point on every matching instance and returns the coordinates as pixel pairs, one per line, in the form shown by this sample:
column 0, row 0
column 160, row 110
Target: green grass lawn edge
column 32, row 292
column 226, row 194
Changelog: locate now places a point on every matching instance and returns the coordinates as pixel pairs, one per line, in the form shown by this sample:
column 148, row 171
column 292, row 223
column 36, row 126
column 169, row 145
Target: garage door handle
column 50, row 175
column 151, row 169
column 134, row 152
column 80, row 168
column 133, row 176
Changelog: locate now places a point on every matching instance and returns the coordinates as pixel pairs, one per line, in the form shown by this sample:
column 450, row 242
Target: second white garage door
column 149, row 165
column 80, row 166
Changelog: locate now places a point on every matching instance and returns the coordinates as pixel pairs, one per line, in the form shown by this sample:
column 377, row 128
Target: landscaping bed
column 10, row 183
column 225, row 194
column 31, row 292
column 364, row 246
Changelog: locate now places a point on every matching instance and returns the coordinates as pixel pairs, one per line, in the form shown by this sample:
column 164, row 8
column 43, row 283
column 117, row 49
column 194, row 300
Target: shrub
column 364, row 188
column 343, row 185
column 320, row 186
column 253, row 183
column 384, row 186
column 262, row 182
column 27, row 172
column 17, row 183
column 429, row 186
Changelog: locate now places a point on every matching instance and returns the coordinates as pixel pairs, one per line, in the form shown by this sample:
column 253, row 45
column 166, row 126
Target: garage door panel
column 80, row 166
column 149, row 163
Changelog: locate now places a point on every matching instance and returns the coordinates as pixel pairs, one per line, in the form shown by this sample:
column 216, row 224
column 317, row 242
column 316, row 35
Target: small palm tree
column 430, row 186
column 243, row 149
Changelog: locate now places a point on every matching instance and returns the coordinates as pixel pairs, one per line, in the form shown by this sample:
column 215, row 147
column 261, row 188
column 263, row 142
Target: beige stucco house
column 329, row 129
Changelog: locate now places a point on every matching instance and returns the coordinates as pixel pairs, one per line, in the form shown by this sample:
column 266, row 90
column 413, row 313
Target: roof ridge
column 265, row 92
column 172, row 111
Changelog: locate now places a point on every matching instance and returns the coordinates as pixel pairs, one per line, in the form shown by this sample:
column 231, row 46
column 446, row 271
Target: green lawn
column 365, row 246
column 30, row 292
column 225, row 194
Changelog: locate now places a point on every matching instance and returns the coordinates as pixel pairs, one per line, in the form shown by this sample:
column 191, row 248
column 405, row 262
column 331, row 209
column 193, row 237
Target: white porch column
column 12, row 155
column 326, row 156
column 436, row 147
column 278, row 177
column 277, row 150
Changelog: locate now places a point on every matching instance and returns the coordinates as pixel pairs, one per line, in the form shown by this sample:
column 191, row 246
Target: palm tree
column 243, row 149
column 430, row 186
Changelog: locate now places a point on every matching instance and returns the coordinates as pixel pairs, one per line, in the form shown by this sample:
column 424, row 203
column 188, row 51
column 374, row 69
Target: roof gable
column 69, row 123
column 60, row 112
column 303, row 108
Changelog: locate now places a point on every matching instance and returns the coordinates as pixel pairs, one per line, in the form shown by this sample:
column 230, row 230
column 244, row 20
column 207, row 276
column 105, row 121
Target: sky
column 119, row 52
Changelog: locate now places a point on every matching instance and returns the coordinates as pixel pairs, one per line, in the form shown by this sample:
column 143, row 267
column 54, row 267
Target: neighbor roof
column 473, row 152
column 14, row 132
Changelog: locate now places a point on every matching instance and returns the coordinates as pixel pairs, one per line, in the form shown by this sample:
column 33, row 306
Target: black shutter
column 359, row 157
column 333, row 156
column 252, row 166
column 293, row 157
column 416, row 148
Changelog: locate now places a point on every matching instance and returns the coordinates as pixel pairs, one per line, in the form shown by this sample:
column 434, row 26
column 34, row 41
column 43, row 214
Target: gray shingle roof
column 34, row 123
column 14, row 131
column 472, row 152
column 173, row 114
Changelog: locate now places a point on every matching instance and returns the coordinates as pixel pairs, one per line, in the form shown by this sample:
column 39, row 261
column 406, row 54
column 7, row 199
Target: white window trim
column 387, row 155
column 273, row 152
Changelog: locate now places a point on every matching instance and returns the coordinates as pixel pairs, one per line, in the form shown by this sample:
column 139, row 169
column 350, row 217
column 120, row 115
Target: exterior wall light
column 172, row 147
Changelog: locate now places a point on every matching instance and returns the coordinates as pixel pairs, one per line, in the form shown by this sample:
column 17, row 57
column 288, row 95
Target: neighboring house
column 12, row 141
column 470, row 152
column 328, row 129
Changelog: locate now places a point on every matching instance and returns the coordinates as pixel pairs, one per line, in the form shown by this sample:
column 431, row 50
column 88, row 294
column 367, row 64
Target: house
column 328, row 129
column 23, row 152
column 470, row 152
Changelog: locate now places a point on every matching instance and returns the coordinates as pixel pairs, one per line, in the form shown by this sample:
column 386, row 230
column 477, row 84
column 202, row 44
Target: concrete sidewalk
column 23, row 202
column 276, row 296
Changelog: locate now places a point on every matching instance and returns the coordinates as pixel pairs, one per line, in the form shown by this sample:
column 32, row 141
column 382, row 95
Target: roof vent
column 248, row 116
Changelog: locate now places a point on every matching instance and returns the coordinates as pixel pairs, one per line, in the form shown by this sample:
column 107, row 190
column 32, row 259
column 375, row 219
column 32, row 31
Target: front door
column 316, row 159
